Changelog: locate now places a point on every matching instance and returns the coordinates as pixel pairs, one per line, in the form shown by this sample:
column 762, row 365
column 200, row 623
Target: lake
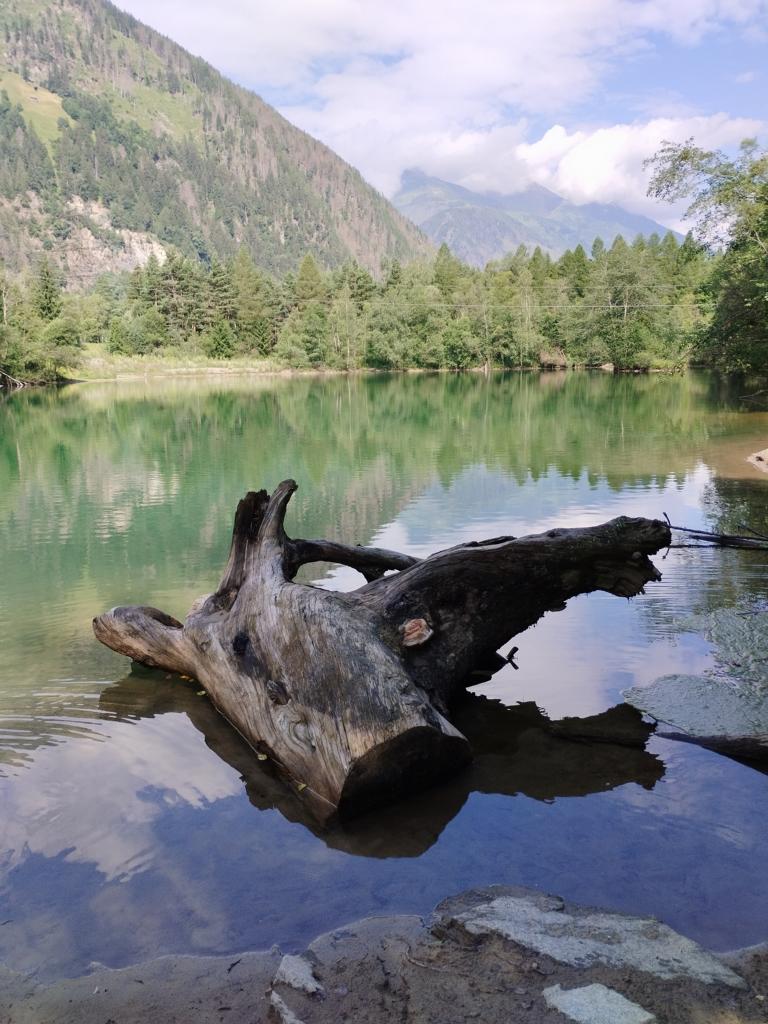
column 136, row 823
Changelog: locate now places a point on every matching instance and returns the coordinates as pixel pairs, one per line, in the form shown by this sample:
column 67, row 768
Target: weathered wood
column 350, row 693
column 10, row 381
column 723, row 540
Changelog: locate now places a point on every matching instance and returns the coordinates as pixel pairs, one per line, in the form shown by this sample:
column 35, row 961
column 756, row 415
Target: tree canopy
column 729, row 206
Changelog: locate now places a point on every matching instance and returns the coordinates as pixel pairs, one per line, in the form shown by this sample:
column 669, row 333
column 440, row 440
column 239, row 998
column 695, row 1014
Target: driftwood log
column 349, row 693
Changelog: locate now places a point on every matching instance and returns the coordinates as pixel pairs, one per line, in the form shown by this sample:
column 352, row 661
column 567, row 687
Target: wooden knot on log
column 416, row 632
column 277, row 692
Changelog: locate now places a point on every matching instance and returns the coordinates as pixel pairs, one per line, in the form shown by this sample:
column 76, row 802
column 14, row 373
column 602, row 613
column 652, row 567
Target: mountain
column 116, row 143
column 483, row 226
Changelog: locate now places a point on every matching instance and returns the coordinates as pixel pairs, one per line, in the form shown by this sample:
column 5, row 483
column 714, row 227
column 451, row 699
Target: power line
column 489, row 307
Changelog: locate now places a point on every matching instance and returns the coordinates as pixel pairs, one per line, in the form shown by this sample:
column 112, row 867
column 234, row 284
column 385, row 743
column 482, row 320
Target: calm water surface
column 134, row 823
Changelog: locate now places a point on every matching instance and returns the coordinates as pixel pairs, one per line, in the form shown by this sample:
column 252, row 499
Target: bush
column 33, row 359
column 305, row 337
column 119, row 339
column 62, row 332
column 136, row 336
column 147, row 332
column 461, row 348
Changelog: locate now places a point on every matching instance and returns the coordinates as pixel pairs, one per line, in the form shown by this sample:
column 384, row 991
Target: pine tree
column 256, row 304
column 223, row 303
column 219, row 341
column 309, row 285
column 394, row 274
column 448, row 270
column 153, row 282
column 574, row 266
column 46, row 294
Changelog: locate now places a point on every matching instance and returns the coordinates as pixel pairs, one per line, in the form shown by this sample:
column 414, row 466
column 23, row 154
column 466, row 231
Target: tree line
column 729, row 205
column 635, row 305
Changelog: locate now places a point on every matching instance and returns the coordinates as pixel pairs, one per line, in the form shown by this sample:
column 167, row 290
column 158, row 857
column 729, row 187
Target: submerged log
column 349, row 692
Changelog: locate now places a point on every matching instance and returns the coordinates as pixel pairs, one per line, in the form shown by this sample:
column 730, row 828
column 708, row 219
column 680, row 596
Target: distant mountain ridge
column 483, row 226
column 116, row 143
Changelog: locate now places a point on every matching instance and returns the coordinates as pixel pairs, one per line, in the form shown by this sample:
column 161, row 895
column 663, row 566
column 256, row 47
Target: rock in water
column 726, row 709
column 582, row 937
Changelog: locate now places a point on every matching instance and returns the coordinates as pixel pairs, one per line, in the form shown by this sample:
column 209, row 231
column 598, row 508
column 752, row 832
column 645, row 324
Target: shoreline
column 98, row 367
column 493, row 954
column 159, row 370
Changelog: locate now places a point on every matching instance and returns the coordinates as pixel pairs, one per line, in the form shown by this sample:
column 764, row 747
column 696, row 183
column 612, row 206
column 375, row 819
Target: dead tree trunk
column 349, row 693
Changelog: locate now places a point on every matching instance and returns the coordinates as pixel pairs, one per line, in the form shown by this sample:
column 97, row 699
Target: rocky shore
column 493, row 955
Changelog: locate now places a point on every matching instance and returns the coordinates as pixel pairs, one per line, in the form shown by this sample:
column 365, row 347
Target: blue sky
column 724, row 71
column 495, row 94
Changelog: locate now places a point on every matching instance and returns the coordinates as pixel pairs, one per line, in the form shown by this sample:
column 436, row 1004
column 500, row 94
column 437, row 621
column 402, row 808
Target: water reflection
column 517, row 751
column 135, row 823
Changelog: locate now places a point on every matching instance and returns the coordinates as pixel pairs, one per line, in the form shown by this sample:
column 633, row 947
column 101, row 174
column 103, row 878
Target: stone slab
column 596, row 1004
column 296, row 972
column 582, row 936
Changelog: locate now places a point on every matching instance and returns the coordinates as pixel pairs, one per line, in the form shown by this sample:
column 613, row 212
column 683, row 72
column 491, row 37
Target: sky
column 495, row 94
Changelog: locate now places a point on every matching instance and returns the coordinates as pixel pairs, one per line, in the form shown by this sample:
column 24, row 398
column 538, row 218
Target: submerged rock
column 582, row 936
column 727, row 708
column 297, row 972
column 760, row 460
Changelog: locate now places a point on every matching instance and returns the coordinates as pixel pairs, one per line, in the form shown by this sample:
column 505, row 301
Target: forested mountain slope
column 116, row 143
column 483, row 226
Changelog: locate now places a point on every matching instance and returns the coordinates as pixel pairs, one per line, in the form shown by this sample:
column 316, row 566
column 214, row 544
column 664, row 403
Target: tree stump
column 349, row 693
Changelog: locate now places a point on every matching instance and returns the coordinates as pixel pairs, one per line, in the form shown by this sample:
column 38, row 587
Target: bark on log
column 349, row 692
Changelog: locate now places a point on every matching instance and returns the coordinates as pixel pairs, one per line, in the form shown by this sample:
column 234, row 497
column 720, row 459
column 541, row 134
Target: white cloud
column 450, row 86
column 746, row 77
column 606, row 164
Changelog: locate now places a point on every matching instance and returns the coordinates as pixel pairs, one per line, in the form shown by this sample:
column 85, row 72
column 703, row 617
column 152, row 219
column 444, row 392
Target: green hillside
column 117, row 143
